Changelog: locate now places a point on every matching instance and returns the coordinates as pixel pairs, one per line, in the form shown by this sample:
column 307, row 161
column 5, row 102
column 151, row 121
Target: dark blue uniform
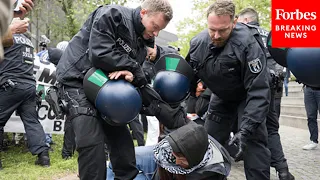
column 110, row 40
column 18, row 91
column 237, row 75
column 278, row 161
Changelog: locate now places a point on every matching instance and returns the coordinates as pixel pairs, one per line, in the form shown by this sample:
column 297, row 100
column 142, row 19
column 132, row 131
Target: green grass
column 18, row 164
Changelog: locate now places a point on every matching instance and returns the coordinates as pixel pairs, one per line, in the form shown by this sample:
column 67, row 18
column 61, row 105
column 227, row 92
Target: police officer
column 18, row 92
column 231, row 63
column 278, row 161
column 153, row 55
column 112, row 39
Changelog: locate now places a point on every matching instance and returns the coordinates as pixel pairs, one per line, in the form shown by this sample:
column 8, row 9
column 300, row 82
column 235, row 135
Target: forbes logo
column 297, row 15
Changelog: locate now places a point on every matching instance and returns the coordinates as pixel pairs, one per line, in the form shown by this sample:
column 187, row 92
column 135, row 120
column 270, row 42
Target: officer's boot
column 284, row 174
column 43, row 159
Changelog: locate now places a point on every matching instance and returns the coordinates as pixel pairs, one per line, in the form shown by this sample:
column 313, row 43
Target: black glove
column 139, row 79
column 240, row 140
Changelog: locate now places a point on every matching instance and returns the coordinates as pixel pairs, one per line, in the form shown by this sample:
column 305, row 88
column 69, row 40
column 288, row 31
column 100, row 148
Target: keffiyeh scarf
column 164, row 158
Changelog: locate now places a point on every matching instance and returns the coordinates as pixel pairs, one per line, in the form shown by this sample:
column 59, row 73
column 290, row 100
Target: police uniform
column 148, row 65
column 237, row 75
column 278, row 161
column 18, row 91
column 111, row 40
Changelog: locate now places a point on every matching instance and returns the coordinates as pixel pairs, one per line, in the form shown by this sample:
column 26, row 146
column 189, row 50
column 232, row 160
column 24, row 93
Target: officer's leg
column 277, row 104
column 137, row 131
column 257, row 155
column 9, row 102
column 278, row 161
column 89, row 138
column 121, row 150
column 219, row 123
column 69, row 144
column 29, row 116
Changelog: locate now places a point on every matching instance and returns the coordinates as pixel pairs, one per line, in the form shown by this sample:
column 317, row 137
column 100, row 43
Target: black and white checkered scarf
column 164, row 158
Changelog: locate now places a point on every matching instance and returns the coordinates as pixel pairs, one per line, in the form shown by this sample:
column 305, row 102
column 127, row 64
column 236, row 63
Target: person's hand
column 25, row 7
column 19, row 26
column 240, row 140
column 127, row 75
column 152, row 53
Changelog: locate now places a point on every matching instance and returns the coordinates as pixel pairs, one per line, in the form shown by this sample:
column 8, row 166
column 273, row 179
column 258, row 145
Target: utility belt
column 8, row 84
column 276, row 82
column 77, row 111
column 61, row 106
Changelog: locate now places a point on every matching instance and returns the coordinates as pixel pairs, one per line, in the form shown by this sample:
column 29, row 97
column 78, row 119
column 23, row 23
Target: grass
column 19, row 165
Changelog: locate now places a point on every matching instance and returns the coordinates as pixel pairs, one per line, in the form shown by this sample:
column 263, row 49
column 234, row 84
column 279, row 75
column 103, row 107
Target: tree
column 191, row 26
column 61, row 19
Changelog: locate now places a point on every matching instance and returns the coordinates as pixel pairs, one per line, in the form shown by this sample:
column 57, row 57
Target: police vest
column 18, row 61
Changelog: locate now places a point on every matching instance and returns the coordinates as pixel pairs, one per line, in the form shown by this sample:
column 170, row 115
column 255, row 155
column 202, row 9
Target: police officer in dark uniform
column 231, row 63
column 278, row 161
column 153, row 55
column 114, row 39
column 18, row 92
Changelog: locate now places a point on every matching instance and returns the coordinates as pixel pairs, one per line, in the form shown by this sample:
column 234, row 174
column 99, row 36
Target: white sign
column 44, row 73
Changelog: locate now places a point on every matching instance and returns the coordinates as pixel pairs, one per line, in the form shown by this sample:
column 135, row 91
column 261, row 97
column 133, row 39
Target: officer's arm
column 102, row 44
column 193, row 59
column 257, row 86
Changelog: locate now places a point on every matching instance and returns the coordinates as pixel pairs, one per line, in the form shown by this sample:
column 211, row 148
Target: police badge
column 255, row 65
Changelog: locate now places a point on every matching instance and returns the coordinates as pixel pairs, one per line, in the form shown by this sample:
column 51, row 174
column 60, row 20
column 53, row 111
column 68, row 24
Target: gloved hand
column 240, row 140
column 140, row 79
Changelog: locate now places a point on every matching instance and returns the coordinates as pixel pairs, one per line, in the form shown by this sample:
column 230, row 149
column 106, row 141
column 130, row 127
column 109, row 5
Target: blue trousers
column 145, row 163
column 312, row 105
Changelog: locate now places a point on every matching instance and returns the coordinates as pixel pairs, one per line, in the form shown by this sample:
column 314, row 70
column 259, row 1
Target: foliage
column 61, row 19
column 194, row 24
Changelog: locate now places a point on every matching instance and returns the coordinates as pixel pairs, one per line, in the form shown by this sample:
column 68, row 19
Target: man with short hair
column 230, row 62
column 113, row 39
column 278, row 161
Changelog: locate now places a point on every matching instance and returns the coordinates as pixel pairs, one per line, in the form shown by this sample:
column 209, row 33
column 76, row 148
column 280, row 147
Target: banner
column 45, row 74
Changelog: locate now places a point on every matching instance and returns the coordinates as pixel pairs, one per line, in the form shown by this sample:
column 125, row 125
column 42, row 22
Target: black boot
column 284, row 174
column 43, row 159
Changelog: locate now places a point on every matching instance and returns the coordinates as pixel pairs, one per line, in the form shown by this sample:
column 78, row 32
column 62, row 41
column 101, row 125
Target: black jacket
column 276, row 70
column 234, row 72
column 18, row 61
column 111, row 40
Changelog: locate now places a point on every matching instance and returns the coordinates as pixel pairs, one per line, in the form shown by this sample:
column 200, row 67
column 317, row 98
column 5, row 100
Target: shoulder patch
column 255, row 65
